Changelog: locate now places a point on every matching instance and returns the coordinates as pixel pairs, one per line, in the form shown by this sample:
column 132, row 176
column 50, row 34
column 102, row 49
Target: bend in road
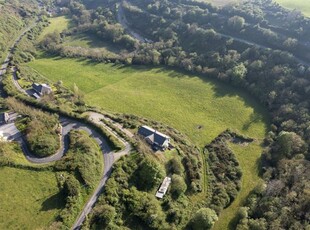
column 69, row 124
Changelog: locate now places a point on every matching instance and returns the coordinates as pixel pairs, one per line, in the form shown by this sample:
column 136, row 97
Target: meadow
column 199, row 107
column 29, row 199
column 302, row 5
column 56, row 24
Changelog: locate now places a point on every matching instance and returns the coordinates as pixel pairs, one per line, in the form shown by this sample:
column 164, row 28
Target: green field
column 29, row 199
column 180, row 100
column 302, row 5
column 56, row 24
column 249, row 163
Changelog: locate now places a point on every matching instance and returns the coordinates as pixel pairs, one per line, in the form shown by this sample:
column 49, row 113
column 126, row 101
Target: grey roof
column 153, row 135
column 41, row 88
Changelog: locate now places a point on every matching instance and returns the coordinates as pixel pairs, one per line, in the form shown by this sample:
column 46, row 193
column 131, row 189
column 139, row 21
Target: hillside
column 227, row 89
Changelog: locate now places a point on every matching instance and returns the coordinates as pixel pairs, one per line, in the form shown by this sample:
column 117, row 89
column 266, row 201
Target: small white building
column 2, row 137
column 163, row 188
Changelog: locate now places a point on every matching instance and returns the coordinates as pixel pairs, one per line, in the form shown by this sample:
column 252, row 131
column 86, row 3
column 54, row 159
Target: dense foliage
column 42, row 129
column 83, row 154
column 83, row 164
column 224, row 171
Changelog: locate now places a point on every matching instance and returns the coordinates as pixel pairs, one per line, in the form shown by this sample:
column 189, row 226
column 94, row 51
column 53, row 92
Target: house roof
column 153, row 135
column 39, row 88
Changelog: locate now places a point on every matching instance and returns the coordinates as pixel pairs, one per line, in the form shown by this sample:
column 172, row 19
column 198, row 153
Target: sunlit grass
column 56, row 24
column 302, row 5
column 180, row 100
column 29, row 199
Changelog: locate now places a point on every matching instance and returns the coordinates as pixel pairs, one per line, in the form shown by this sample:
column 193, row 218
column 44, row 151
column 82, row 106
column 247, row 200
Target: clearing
column 56, row 24
column 34, row 194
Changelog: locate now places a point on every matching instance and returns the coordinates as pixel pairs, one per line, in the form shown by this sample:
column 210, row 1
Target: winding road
column 123, row 21
column 67, row 124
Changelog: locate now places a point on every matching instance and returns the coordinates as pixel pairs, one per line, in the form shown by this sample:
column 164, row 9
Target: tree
column 178, row 185
column 146, row 207
column 175, row 166
column 72, row 186
column 290, row 43
column 204, row 219
column 238, row 73
column 150, row 174
column 289, row 144
column 105, row 214
column 236, row 22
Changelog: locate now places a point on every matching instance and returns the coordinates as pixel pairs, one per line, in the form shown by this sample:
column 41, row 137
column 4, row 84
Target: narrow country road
column 67, row 125
column 123, row 21
column 259, row 46
column 6, row 61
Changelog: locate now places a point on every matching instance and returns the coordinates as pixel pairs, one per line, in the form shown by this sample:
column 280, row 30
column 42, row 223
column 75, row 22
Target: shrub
column 178, row 185
column 203, row 219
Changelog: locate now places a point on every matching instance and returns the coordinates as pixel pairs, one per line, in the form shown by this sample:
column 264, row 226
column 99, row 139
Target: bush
column 150, row 174
column 178, row 185
column 204, row 219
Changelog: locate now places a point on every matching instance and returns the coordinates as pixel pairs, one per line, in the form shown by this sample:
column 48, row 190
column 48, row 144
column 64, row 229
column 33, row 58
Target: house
column 163, row 188
column 40, row 90
column 156, row 139
column 4, row 118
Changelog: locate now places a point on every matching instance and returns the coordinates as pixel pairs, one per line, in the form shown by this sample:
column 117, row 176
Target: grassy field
column 182, row 101
column 248, row 159
column 302, row 5
column 56, row 24
column 92, row 42
column 29, row 200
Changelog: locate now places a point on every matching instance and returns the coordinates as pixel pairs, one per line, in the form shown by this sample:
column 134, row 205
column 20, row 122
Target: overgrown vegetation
column 42, row 129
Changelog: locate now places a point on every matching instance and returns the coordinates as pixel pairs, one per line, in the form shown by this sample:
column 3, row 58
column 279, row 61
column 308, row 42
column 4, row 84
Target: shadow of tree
column 254, row 118
column 56, row 201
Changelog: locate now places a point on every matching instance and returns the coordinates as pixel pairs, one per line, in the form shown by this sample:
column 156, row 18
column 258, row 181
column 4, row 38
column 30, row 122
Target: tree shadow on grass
column 56, row 201
column 254, row 118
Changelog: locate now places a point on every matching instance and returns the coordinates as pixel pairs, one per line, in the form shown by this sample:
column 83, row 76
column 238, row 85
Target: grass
column 302, row 5
column 248, row 157
column 180, row 100
column 29, row 199
column 56, row 24
column 91, row 41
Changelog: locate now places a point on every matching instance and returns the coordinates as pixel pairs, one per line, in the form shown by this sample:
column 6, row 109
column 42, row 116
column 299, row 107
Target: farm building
column 163, row 188
column 40, row 90
column 156, row 139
